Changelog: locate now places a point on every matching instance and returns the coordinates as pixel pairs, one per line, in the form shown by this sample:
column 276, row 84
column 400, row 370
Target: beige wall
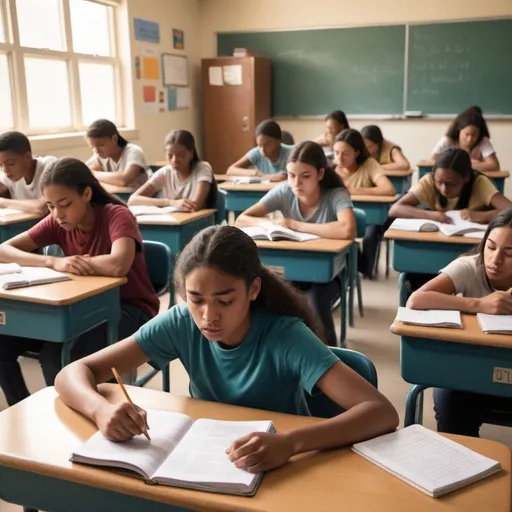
column 417, row 137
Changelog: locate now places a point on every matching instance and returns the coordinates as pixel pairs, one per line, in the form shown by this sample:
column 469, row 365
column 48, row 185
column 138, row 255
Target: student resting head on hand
column 388, row 155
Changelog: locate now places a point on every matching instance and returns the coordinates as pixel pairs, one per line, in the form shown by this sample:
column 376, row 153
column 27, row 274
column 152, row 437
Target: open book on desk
column 426, row 460
column 13, row 276
column 457, row 227
column 429, row 317
column 139, row 210
column 274, row 233
column 181, row 453
column 495, row 324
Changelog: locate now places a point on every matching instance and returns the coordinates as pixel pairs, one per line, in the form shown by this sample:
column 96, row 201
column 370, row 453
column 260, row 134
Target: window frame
column 17, row 53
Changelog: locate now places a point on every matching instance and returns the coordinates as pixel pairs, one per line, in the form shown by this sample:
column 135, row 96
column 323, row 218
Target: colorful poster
column 137, row 68
column 150, row 68
column 178, row 39
column 171, row 98
column 161, row 100
column 149, row 93
column 146, row 30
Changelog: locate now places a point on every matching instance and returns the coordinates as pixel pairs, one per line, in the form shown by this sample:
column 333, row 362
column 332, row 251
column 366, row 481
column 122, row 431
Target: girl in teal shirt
column 242, row 334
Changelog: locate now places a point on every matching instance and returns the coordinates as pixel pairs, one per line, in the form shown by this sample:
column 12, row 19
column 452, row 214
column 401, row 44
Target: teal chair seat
column 320, row 405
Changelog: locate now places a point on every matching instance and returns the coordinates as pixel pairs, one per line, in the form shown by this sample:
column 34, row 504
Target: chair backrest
column 360, row 222
column 321, row 405
column 287, row 138
column 159, row 264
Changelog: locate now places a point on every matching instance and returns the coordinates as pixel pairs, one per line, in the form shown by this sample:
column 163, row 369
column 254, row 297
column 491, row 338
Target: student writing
column 186, row 182
column 269, row 156
column 484, row 279
column 242, row 334
column 362, row 175
column 20, row 179
column 388, row 155
column 313, row 201
column 469, row 131
column 115, row 161
column 99, row 236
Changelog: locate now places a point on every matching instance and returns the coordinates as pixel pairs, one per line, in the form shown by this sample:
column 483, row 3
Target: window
column 62, row 56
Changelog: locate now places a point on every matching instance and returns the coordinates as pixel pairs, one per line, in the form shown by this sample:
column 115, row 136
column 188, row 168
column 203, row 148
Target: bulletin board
column 174, row 70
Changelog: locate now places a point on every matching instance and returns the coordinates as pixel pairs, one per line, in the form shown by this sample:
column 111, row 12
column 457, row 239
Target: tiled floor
column 371, row 336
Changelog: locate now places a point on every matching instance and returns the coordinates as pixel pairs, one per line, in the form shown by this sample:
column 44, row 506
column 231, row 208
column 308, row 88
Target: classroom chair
column 160, row 263
column 287, row 138
column 321, row 405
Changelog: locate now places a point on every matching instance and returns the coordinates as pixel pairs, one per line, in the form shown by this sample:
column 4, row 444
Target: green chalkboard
column 358, row 70
column 454, row 65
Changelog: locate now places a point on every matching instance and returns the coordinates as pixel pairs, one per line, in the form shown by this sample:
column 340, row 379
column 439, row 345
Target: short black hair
column 340, row 117
column 16, row 142
column 269, row 128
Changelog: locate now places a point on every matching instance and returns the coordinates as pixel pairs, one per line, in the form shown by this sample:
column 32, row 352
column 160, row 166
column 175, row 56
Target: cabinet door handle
column 245, row 124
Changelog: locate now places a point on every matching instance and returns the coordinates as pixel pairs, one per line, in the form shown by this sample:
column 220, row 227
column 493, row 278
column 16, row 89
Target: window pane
column 97, row 89
column 6, row 115
column 2, row 35
column 47, row 93
column 84, row 17
column 40, row 24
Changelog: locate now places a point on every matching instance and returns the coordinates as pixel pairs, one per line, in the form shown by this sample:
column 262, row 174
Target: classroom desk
column 401, row 180
column 497, row 177
column 375, row 207
column 59, row 312
column 12, row 225
column 178, row 230
column 122, row 193
column 426, row 253
column 241, row 196
column 35, row 470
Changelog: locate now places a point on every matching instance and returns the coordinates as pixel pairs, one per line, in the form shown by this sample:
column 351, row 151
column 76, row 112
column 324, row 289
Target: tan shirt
column 481, row 195
column 468, row 277
column 385, row 153
column 366, row 175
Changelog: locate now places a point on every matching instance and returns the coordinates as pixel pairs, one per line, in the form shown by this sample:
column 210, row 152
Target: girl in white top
column 469, row 131
column 115, row 161
column 186, row 182
column 484, row 279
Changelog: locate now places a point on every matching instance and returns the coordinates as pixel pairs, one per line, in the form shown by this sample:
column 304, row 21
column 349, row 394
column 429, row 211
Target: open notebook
column 426, row 460
column 429, row 317
column 457, row 227
column 274, row 233
column 495, row 324
column 181, row 453
column 6, row 212
column 13, row 276
column 245, row 180
column 154, row 210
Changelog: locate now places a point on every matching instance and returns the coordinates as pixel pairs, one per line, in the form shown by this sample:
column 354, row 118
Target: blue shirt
column 264, row 165
column 332, row 201
column 279, row 359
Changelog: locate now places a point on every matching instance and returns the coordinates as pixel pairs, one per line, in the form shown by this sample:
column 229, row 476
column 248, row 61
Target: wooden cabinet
column 232, row 112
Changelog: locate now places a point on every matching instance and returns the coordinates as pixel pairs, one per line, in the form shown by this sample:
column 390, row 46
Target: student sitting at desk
column 335, row 123
column 115, row 161
column 269, row 156
column 99, row 236
column 313, row 201
column 484, row 279
column 186, row 182
column 452, row 185
column 20, row 179
column 245, row 338
column 469, row 131
column 362, row 175
column 389, row 155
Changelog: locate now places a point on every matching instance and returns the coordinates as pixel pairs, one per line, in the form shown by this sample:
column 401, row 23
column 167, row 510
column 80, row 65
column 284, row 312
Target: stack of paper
column 430, row 317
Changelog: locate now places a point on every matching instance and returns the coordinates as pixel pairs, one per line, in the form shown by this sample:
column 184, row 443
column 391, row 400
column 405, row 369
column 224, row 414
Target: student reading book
column 389, row 155
column 432, row 463
column 314, row 201
column 273, row 232
column 484, row 279
column 242, row 334
column 186, row 182
column 99, row 236
column 181, row 453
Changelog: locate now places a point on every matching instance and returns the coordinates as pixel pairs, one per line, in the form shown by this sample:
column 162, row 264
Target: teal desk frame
column 402, row 184
column 8, row 231
column 376, row 212
column 238, row 201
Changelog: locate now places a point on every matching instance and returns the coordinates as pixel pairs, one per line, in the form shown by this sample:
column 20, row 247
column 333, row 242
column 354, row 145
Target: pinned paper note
column 150, row 68
column 183, row 97
column 149, row 105
column 215, row 75
column 178, row 39
column 232, row 74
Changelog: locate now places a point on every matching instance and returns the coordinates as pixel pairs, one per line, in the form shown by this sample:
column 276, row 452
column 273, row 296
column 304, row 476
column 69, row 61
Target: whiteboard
column 175, row 69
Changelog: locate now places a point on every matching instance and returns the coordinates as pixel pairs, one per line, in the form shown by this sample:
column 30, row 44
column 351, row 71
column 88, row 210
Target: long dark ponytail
column 75, row 175
column 233, row 252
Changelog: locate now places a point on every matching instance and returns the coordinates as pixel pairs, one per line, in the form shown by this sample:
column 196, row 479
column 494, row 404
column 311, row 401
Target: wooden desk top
column 65, row 292
column 427, row 236
column 375, row 199
column 315, row 481
column 114, row 189
column 249, row 187
column 17, row 217
column 426, row 163
column 471, row 333
column 318, row 245
column 177, row 218
column 391, row 173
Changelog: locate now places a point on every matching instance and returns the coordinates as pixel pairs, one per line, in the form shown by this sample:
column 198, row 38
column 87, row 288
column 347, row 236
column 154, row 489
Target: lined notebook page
column 423, row 457
column 429, row 317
